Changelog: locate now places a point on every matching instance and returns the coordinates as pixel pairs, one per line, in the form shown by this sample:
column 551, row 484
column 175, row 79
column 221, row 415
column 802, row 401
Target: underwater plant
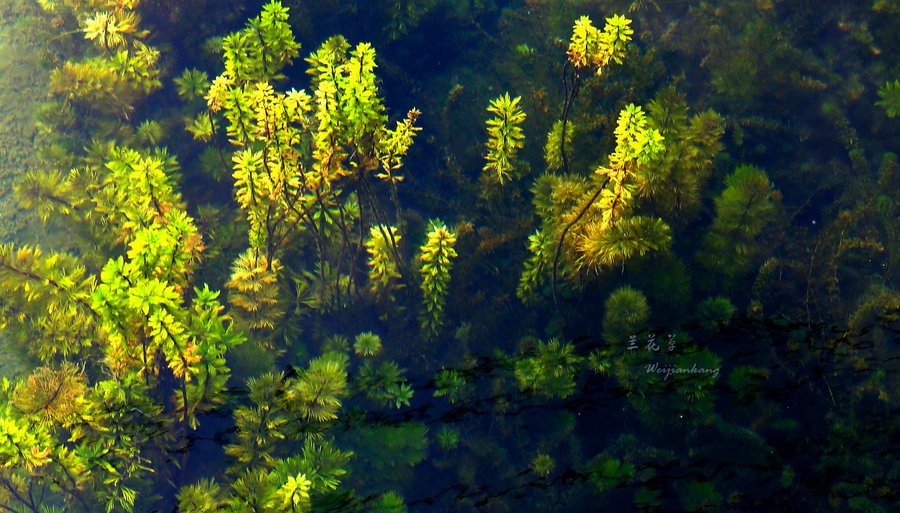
column 604, row 233
column 447, row 437
column 543, row 465
column 590, row 51
column 159, row 343
column 299, row 192
column 889, row 95
column 367, row 344
column 625, row 313
column 123, row 71
column 383, row 268
column 556, row 141
column 551, row 371
column 150, row 132
column 384, row 384
column 192, row 84
column 450, row 383
column 715, row 313
column 254, row 294
column 743, row 210
column 437, row 256
column 674, row 180
column 505, row 136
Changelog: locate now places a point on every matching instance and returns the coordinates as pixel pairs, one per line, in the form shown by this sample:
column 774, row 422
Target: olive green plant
column 626, row 313
column 551, row 371
column 299, row 153
column 590, row 52
column 505, row 136
column 743, row 209
column 604, row 233
column 889, row 98
column 674, row 181
column 121, row 71
column 158, row 342
column 436, row 256
column 383, row 268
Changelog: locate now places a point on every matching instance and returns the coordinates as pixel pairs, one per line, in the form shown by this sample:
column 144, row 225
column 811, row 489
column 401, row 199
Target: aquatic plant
column 535, row 267
column 505, row 136
column 743, row 210
column 124, row 72
column 746, row 381
column 386, row 453
column 383, row 268
column 384, row 383
column 296, row 192
column 555, row 143
column 289, row 485
column 159, row 343
column 551, row 372
column 606, row 472
column 388, row 502
column 447, row 437
column 675, row 179
column 150, row 132
column 604, row 234
column 699, row 495
column 259, row 426
column 543, row 465
column 450, row 383
column 715, row 313
column 889, row 95
column 625, row 314
column 436, row 256
column 590, row 51
column 192, row 84
column 367, row 344
column 254, row 293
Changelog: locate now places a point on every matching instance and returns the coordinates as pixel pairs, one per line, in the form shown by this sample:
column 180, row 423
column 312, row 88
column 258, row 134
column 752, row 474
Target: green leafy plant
column 551, row 372
column 716, row 312
column 889, row 95
column 543, row 465
column 450, row 383
column 383, row 268
column 505, row 136
column 436, row 256
column 743, row 210
column 555, row 143
column 447, row 437
column 625, row 313
column 299, row 153
column 367, row 344
column 192, row 84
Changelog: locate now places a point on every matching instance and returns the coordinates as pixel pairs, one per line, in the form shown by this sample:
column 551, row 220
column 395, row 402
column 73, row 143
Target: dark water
column 741, row 354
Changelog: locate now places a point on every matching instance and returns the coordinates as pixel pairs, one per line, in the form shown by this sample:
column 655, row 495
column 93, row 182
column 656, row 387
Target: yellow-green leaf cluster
column 254, row 293
column 47, row 298
column 382, row 263
column 553, row 147
column 436, row 256
column 394, row 145
column 592, row 49
column 126, row 70
column 636, row 144
column 262, row 49
column 505, row 136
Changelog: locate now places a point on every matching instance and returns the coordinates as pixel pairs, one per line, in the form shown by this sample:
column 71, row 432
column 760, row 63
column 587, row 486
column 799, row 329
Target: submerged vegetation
column 244, row 296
